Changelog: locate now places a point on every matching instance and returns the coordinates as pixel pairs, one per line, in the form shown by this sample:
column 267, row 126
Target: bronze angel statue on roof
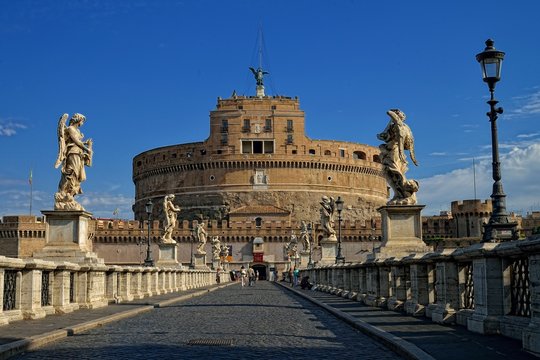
column 259, row 75
column 398, row 138
column 73, row 154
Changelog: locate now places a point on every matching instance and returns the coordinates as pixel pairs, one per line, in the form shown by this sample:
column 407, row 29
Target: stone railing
column 489, row 288
column 34, row 288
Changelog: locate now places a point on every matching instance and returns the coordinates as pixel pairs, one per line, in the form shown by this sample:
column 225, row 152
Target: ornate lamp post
column 149, row 207
column 340, row 259
column 310, row 231
column 499, row 227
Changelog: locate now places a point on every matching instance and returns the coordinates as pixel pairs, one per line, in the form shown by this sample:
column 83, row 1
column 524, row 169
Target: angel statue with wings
column 327, row 217
column 259, row 75
column 73, row 154
column 398, row 138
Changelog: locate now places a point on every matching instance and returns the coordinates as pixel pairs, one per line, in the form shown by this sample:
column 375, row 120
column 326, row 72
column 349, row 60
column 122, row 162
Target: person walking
column 243, row 275
column 296, row 274
column 251, row 274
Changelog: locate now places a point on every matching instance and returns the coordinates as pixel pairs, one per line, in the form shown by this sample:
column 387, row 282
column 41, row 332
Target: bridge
column 270, row 320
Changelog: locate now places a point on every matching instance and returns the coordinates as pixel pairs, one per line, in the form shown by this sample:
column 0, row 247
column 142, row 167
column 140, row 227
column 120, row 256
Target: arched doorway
column 261, row 268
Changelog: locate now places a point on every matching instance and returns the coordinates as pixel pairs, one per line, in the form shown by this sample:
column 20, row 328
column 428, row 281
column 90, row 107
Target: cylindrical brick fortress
column 257, row 155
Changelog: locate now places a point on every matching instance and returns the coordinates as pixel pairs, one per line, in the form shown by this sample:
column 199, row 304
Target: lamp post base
column 499, row 232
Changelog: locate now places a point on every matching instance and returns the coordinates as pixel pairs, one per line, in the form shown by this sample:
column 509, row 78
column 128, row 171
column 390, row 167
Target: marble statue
column 73, row 154
column 201, row 237
column 397, row 137
column 327, row 216
column 291, row 248
column 216, row 247
column 304, row 235
column 224, row 251
column 259, row 75
column 171, row 213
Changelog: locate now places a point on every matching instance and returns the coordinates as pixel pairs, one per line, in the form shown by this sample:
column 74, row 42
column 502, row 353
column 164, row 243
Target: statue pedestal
column 168, row 255
column 260, row 90
column 401, row 232
column 304, row 259
column 328, row 251
column 216, row 264
column 199, row 261
column 68, row 238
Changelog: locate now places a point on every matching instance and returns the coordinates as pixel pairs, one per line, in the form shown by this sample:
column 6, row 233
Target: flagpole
column 31, row 191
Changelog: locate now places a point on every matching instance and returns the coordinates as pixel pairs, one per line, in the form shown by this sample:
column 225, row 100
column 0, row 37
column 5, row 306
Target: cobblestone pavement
column 264, row 321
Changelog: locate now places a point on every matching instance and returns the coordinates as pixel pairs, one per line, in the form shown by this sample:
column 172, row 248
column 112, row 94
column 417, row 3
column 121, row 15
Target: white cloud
column 438, row 154
column 526, row 105
column 520, row 168
column 526, row 136
column 10, row 128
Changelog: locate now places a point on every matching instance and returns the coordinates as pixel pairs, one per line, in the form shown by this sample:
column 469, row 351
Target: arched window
column 311, row 151
column 376, row 159
column 327, row 153
column 359, row 155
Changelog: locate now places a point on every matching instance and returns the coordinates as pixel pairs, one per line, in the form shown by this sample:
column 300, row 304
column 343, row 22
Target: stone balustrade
column 488, row 288
column 33, row 288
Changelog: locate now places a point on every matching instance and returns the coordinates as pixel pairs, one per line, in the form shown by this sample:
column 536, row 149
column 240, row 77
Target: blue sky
column 147, row 74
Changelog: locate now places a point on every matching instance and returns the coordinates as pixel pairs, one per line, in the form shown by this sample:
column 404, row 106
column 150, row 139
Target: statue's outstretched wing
column 61, row 140
column 409, row 145
column 253, row 71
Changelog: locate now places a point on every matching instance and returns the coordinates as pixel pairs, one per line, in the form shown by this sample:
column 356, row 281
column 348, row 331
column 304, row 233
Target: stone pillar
column 124, row 291
column 96, row 296
column 304, row 259
column 136, row 284
column 31, row 295
column 362, row 284
column 112, row 284
column 61, row 289
column 400, row 287
column 488, row 294
column 378, row 285
column 416, row 305
column 168, row 255
column 68, row 238
column 531, row 334
column 447, row 289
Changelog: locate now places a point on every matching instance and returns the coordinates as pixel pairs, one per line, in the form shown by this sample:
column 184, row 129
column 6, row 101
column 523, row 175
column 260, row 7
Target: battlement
column 471, row 207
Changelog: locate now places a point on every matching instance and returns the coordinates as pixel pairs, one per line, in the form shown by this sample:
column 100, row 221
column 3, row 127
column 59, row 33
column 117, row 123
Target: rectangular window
column 224, row 125
column 247, row 126
column 268, row 125
column 268, row 147
column 289, row 125
column 289, row 139
column 342, row 152
column 246, row 147
column 257, row 147
column 224, row 139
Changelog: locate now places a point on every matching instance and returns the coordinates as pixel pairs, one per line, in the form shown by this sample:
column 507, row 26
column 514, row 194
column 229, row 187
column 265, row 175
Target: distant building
column 462, row 226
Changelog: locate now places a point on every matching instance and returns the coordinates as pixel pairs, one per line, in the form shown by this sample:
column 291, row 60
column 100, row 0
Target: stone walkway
column 264, row 321
column 441, row 342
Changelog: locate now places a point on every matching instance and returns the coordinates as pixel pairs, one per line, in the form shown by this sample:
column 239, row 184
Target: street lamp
column 500, row 227
column 340, row 259
column 310, row 231
column 149, row 207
